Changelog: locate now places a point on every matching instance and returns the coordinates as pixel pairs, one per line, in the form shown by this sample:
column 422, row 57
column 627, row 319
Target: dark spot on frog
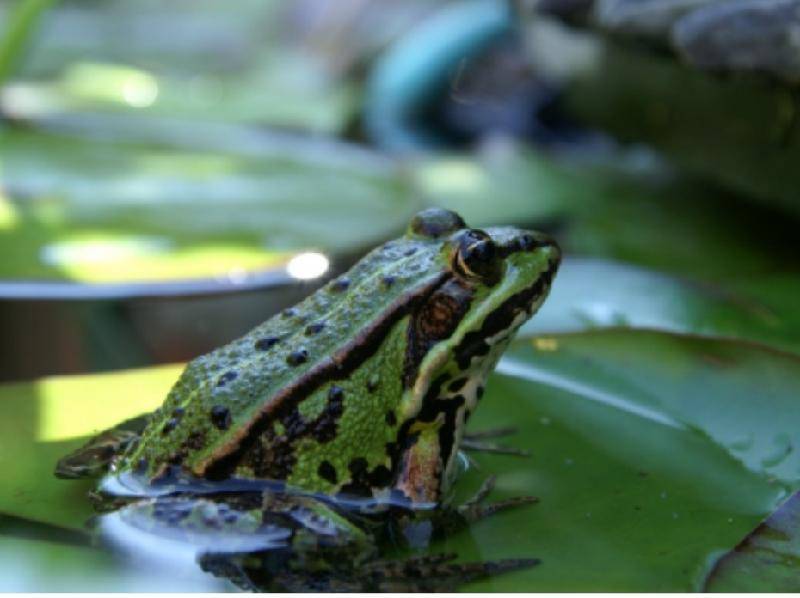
column 169, row 425
column 335, row 393
column 357, row 467
column 410, row 251
column 323, row 429
column 220, row 417
column 372, row 383
column 230, row 517
column 141, row 466
column 289, row 312
column 228, row 376
column 477, row 347
column 340, row 284
column 388, row 281
column 380, row 477
column 314, row 328
column 297, row 357
column 263, row 344
column 294, row 425
column 457, row 384
column 363, row 480
column 327, row 472
column 391, row 418
column 479, row 392
column 178, row 412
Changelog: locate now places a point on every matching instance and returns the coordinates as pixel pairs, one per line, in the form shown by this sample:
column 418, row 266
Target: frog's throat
column 222, row 463
column 476, row 355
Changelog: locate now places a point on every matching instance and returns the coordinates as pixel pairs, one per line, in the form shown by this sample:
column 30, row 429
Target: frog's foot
column 430, row 573
column 474, row 509
column 477, row 441
column 228, row 567
column 94, row 458
column 436, row 573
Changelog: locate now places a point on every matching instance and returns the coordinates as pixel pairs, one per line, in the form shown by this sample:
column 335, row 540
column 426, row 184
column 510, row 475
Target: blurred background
column 173, row 173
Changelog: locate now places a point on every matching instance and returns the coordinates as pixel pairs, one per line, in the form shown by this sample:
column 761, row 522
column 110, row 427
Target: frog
column 339, row 422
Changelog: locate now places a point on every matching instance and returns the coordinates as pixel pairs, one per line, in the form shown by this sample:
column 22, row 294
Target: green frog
column 338, row 422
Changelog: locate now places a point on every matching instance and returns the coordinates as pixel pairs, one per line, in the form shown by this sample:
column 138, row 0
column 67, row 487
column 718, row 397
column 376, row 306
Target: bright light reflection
column 140, row 91
column 306, row 266
column 100, row 250
column 111, row 83
column 9, row 216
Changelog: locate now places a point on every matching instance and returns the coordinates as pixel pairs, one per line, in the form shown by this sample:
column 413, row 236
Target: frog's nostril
column 533, row 241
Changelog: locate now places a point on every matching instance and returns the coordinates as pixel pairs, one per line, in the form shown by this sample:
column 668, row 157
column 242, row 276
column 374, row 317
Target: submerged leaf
column 767, row 560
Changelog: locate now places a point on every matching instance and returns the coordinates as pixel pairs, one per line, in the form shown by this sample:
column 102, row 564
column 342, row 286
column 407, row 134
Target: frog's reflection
column 279, row 541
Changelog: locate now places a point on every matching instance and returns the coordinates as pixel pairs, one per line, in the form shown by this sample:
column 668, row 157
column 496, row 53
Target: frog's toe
column 477, row 442
column 474, row 509
column 436, row 573
column 490, row 433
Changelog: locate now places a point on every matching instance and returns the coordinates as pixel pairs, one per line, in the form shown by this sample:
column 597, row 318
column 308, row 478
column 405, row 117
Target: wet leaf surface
column 767, row 560
column 652, row 454
column 593, row 293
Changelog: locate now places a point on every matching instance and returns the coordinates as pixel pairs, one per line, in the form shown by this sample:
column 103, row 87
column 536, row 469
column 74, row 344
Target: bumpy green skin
column 320, row 394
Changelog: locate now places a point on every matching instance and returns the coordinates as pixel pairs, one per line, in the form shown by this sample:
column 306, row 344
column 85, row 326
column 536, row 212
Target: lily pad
column 652, row 454
column 594, row 293
column 97, row 211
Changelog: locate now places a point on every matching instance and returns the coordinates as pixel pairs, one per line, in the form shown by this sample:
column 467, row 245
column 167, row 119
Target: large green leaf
column 653, row 454
column 100, row 211
column 593, row 293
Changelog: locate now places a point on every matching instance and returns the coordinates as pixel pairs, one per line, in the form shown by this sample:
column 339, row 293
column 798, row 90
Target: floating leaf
column 652, row 454
column 99, row 211
column 594, row 293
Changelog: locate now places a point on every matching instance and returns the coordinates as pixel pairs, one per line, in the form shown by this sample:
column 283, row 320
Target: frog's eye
column 477, row 257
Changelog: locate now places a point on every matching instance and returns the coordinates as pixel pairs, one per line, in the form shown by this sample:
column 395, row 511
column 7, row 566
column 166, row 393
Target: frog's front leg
column 423, row 476
column 95, row 457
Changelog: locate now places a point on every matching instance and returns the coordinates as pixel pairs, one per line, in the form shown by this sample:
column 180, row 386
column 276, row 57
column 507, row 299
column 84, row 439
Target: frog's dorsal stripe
column 338, row 366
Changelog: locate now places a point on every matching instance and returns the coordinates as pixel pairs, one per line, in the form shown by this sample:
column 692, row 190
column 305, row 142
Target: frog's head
column 496, row 279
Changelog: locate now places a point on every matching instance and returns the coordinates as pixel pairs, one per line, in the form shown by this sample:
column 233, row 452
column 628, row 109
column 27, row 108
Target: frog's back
column 224, row 399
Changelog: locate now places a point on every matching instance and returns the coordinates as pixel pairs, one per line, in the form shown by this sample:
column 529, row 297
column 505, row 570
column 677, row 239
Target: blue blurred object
column 418, row 68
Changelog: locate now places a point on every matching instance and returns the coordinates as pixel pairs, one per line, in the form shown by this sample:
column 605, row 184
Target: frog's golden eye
column 477, row 257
